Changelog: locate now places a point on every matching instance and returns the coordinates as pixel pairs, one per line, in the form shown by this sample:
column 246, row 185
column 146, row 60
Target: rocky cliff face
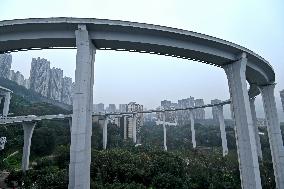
column 55, row 84
column 66, row 96
column 50, row 82
column 5, row 65
column 27, row 83
column 43, row 80
column 39, row 76
column 17, row 77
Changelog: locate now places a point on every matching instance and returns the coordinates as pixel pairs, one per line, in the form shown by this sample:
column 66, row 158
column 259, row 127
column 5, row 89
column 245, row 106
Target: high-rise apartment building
column 99, row 108
column 133, row 107
column 169, row 116
column 183, row 116
column 199, row 113
column 111, row 108
column 215, row 110
column 122, row 107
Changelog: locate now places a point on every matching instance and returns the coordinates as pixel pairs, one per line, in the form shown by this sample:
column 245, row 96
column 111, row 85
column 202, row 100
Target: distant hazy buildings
column 122, row 107
column 169, row 116
column 111, row 108
column 282, row 98
column 99, row 108
column 199, row 113
column 215, row 110
column 182, row 117
column 134, row 107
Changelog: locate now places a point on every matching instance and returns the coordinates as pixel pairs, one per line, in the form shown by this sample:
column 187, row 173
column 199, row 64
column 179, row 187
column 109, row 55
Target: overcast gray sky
column 121, row 77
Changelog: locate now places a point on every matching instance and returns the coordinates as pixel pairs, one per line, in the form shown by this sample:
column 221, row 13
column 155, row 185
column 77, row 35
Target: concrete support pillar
column 105, row 133
column 192, row 128
column 7, row 99
column 256, row 132
column 28, row 133
column 134, row 124
column 80, row 149
column 274, row 133
column 165, row 131
column 223, row 130
column 70, row 124
column 125, row 128
column 246, row 146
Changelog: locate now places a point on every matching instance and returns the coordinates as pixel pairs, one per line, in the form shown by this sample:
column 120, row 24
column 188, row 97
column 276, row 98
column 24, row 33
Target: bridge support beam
column 192, row 128
column 7, row 99
column 274, row 133
column 105, row 133
column 134, row 124
column 28, row 133
column 256, row 132
column 223, row 130
column 80, row 149
column 165, row 131
column 246, row 145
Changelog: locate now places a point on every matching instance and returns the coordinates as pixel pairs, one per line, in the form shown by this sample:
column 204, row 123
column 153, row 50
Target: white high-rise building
column 133, row 107
column 200, row 112
column 215, row 109
column 99, row 108
column 122, row 107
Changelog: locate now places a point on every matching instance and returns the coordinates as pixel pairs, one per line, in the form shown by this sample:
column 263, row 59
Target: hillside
column 29, row 95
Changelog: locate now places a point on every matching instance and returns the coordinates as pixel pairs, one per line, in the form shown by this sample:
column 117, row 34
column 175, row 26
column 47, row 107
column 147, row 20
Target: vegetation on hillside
column 124, row 166
column 29, row 96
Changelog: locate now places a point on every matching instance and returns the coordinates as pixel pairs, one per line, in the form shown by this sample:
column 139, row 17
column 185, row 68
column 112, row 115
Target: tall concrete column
column 1, row 101
column 165, row 131
column 192, row 128
column 28, row 133
column 223, row 130
column 134, row 124
column 125, row 128
column 70, row 124
column 7, row 99
column 274, row 133
column 246, row 145
column 256, row 132
column 105, row 133
column 80, row 149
